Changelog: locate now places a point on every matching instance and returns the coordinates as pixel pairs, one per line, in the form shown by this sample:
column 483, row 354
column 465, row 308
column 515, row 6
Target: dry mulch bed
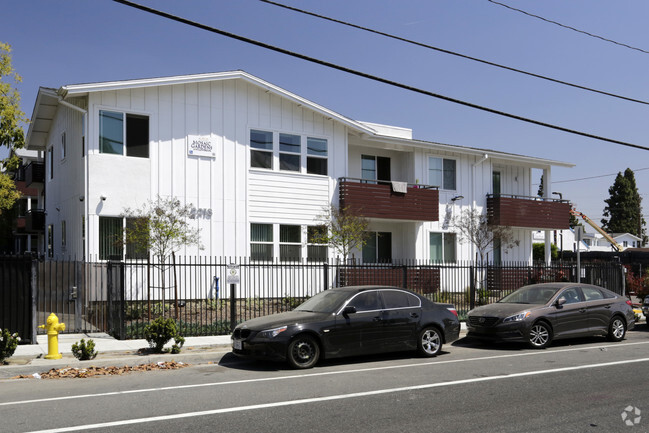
column 73, row 372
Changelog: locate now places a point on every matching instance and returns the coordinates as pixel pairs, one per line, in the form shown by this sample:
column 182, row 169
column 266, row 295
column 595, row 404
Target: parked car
column 540, row 313
column 349, row 321
column 645, row 308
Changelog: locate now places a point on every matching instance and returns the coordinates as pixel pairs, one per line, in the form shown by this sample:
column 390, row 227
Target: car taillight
column 452, row 310
column 630, row 303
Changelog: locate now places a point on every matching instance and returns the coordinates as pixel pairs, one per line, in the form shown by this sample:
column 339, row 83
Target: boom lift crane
column 590, row 222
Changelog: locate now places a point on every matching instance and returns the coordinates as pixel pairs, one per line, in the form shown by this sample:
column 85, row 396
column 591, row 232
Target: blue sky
column 75, row 41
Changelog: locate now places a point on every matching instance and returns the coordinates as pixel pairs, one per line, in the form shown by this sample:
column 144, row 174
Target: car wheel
column 303, row 352
column 616, row 329
column 540, row 335
column 429, row 342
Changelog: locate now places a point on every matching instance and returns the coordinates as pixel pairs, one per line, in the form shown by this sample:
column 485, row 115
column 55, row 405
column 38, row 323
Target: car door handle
column 608, row 307
column 378, row 319
column 582, row 310
column 414, row 315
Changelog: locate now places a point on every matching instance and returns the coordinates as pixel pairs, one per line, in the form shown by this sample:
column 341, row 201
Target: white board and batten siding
column 223, row 112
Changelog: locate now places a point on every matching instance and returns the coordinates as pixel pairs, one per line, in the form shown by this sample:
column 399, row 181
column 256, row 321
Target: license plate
column 237, row 344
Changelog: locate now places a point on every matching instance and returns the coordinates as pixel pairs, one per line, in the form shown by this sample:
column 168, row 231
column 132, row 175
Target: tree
column 342, row 229
column 473, row 227
column 11, row 132
column 160, row 227
column 538, row 251
column 541, row 188
column 623, row 210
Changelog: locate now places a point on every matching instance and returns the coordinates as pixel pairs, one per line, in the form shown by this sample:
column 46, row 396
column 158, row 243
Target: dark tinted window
column 366, row 301
column 399, row 299
column 572, row 295
column 137, row 136
column 592, row 294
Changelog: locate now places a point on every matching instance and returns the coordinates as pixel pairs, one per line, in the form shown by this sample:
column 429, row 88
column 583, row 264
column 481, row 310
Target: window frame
column 254, row 242
column 443, row 172
column 126, row 132
column 443, row 236
column 377, row 257
column 274, row 155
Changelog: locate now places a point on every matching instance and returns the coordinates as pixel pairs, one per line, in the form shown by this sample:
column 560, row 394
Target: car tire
column 616, row 329
column 539, row 336
column 303, row 352
column 429, row 342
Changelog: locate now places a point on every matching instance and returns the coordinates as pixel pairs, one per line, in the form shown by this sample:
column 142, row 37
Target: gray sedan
column 540, row 313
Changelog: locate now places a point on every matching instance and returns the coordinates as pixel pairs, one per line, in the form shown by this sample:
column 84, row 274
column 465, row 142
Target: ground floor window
column 443, row 247
column 288, row 242
column 378, row 248
column 110, row 231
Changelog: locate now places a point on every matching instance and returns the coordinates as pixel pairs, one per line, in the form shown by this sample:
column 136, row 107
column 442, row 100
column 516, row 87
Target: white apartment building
column 259, row 164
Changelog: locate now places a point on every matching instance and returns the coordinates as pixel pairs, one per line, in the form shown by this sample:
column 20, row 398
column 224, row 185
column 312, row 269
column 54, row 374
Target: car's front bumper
column 514, row 331
column 268, row 350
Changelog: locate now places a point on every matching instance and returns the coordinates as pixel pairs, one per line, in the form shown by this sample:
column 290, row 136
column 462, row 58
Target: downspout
column 84, row 120
column 473, row 189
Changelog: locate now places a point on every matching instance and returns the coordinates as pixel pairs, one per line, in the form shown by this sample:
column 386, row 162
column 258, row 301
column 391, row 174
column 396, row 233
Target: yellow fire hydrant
column 53, row 328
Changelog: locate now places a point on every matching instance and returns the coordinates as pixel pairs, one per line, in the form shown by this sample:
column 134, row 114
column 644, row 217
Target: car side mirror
column 350, row 309
column 562, row 300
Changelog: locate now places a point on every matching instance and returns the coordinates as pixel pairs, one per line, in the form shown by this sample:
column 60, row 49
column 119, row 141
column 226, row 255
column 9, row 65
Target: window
column 442, row 247
column 261, row 242
column 592, row 294
column 399, row 299
column 63, row 145
column 497, row 251
column 290, row 246
column 366, row 301
column 261, row 149
column 123, row 134
column 378, row 248
column 316, row 250
column 63, row 235
column 50, row 240
column 375, row 167
column 289, row 152
column 441, row 173
column 110, row 231
column 496, row 183
column 50, row 163
column 316, row 159
column 135, row 250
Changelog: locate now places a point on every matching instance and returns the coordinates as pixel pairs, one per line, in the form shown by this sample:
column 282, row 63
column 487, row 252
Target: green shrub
column 8, row 343
column 160, row 331
column 84, row 351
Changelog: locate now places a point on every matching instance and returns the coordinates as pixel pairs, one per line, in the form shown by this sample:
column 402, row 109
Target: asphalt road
column 575, row 386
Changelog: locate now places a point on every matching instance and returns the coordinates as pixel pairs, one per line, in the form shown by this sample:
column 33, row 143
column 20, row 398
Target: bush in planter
column 84, row 351
column 8, row 343
column 160, row 331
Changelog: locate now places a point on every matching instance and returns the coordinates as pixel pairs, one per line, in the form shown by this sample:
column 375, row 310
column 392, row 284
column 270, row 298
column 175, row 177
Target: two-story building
column 259, row 165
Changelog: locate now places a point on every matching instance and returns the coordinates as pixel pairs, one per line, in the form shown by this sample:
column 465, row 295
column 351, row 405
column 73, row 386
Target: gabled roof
column 45, row 110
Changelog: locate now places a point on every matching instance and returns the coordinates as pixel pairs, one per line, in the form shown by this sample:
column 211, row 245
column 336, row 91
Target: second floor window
column 287, row 152
column 441, row 173
column 123, row 134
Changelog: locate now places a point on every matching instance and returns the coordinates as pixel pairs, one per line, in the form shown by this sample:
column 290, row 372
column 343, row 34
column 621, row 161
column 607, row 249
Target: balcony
column 528, row 212
column 379, row 200
column 35, row 221
column 34, row 173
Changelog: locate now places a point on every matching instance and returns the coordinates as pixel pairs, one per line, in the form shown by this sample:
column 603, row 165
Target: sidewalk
column 30, row 358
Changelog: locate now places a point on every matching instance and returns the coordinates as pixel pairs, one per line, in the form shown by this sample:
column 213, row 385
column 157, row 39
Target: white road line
column 324, row 373
column 332, row 397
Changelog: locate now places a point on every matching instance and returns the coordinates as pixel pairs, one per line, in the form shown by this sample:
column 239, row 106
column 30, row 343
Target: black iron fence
column 208, row 296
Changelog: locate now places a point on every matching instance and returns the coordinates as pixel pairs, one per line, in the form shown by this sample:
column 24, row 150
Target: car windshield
column 324, row 302
column 530, row 295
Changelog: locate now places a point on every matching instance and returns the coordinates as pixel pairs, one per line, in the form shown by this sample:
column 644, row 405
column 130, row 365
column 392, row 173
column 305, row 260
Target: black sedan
column 349, row 321
column 539, row 313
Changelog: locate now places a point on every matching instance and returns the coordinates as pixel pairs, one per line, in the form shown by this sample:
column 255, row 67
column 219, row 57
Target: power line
column 569, row 27
column 372, row 77
column 596, row 177
column 445, row 51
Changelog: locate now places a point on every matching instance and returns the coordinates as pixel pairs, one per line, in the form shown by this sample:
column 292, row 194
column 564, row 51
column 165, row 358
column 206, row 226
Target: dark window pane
column 259, row 159
column 110, row 230
column 135, row 250
column 316, row 146
column 261, row 252
column 316, row 234
column 289, row 162
column 261, row 140
column 290, row 253
column 366, row 301
column 316, row 166
column 289, row 143
column 369, row 249
column 261, row 232
column 384, row 250
column 137, row 136
column 111, row 132
column 395, row 299
column 316, row 253
column 449, row 174
column 290, row 233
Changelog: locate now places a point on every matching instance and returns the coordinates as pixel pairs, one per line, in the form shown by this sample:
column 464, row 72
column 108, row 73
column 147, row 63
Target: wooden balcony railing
column 378, row 199
column 528, row 212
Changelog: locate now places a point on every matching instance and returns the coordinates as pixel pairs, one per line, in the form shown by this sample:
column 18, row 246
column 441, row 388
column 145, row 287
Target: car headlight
column 517, row 317
column 272, row 333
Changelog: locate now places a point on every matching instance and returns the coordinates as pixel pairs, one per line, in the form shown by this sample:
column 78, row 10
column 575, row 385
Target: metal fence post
column 472, row 287
column 404, row 276
column 326, row 276
column 233, row 306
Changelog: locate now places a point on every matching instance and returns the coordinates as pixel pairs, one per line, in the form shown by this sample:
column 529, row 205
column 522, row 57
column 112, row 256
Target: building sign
column 198, row 145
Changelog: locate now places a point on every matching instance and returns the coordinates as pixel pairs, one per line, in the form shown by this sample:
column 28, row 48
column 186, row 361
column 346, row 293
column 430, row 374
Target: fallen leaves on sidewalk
column 73, row 372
